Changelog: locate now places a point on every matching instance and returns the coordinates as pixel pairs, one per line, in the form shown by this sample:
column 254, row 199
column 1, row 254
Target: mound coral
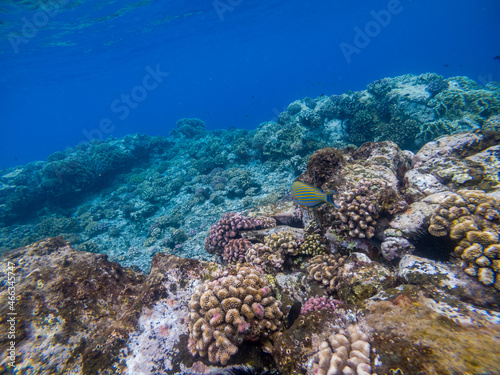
column 314, row 244
column 229, row 310
column 346, row 352
column 324, row 269
column 472, row 218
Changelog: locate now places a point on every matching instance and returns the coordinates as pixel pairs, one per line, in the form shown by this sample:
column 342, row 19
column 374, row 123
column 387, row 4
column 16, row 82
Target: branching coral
column 235, row 250
column 472, row 218
column 229, row 310
column 345, row 353
column 314, row 242
column 319, row 303
column 324, row 269
column 264, row 256
column 228, row 228
column 284, row 242
column 359, row 208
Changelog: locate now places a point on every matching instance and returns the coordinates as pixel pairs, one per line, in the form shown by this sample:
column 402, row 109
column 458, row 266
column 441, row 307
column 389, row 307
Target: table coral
column 472, row 218
column 324, row 269
column 229, row 310
column 345, row 353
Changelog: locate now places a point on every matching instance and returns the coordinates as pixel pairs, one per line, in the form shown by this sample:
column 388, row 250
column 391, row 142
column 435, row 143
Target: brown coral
column 324, row 269
column 472, row 218
column 360, row 206
column 264, row 256
column 346, row 352
column 229, row 310
column 314, row 243
column 284, row 242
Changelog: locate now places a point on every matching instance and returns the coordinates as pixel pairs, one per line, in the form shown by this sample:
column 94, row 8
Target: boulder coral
column 235, row 307
column 472, row 218
column 344, row 353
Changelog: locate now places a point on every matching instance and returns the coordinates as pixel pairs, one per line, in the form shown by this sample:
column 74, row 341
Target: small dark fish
column 308, row 196
column 497, row 57
column 446, row 65
column 293, row 314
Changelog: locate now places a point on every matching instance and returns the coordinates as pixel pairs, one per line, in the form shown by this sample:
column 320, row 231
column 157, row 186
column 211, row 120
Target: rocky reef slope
column 133, row 197
column 401, row 276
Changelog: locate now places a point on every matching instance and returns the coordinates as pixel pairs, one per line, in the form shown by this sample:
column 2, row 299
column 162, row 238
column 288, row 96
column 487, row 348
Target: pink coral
column 320, row 303
column 228, row 228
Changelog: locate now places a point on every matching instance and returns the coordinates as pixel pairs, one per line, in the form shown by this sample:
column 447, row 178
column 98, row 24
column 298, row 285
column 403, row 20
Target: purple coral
column 228, row 228
column 320, row 303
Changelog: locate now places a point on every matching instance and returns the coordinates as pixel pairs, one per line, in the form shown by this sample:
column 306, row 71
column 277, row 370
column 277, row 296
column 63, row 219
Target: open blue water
column 75, row 70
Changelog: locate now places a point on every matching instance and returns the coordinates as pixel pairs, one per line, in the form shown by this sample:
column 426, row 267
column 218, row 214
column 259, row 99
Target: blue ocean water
column 77, row 70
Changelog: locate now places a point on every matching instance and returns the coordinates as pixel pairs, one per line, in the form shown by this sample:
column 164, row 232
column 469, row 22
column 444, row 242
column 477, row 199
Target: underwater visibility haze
column 250, row 187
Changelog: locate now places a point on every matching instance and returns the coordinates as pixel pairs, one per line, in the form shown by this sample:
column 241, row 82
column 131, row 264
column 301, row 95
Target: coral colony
column 192, row 254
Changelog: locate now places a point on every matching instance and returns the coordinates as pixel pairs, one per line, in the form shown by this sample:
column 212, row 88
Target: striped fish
column 308, row 196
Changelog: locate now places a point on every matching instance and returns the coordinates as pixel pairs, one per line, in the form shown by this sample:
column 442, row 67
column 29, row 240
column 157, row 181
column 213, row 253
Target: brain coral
column 473, row 219
column 324, row 269
column 223, row 313
column 345, row 353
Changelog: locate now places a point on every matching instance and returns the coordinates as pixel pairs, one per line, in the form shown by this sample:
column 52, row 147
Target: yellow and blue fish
column 308, row 196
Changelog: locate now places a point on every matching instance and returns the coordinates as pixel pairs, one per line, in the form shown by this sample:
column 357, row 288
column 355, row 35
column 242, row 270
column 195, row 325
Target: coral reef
column 319, row 303
column 266, row 257
column 228, row 228
column 229, row 310
column 359, row 208
column 235, row 250
column 346, row 352
column 472, row 219
column 283, row 242
column 324, row 269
